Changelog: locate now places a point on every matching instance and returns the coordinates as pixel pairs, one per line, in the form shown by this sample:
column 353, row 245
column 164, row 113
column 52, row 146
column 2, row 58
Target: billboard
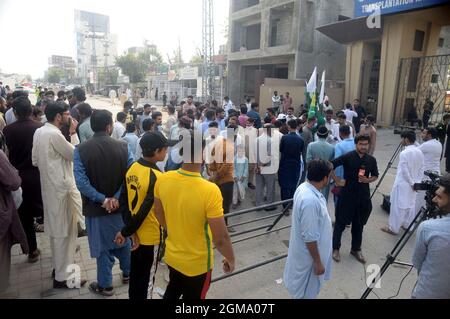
column 364, row 8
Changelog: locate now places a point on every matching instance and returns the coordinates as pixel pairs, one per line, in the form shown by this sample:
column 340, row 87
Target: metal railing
column 269, row 230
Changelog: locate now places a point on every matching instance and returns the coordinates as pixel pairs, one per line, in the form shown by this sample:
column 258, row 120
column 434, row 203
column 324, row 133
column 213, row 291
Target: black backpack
column 386, row 206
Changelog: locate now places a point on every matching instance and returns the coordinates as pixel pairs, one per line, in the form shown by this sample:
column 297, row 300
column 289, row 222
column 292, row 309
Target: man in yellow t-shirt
column 139, row 216
column 190, row 209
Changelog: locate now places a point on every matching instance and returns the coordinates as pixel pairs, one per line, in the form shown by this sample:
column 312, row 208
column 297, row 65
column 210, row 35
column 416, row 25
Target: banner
column 364, row 8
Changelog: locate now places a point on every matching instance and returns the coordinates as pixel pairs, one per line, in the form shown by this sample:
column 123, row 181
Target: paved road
column 348, row 277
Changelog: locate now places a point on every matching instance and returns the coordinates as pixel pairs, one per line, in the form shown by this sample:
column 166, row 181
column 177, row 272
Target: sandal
column 388, row 231
column 96, row 289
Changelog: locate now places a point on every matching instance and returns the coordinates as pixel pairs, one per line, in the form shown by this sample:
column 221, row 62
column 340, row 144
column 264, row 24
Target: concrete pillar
column 233, row 79
column 353, row 70
column 265, row 29
column 391, row 47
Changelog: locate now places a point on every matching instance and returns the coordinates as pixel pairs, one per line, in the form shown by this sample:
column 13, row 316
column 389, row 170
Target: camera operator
column 403, row 195
column 432, row 150
column 431, row 255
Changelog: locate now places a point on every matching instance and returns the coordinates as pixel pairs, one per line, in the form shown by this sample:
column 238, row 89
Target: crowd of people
column 145, row 190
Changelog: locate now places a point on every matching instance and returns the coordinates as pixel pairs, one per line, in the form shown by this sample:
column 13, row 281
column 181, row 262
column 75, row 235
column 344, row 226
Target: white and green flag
column 311, row 91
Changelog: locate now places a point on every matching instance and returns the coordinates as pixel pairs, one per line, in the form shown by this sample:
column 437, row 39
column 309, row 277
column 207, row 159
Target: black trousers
column 191, row 288
column 142, row 270
column 227, row 195
column 447, row 164
column 357, row 233
column 287, row 193
column 27, row 220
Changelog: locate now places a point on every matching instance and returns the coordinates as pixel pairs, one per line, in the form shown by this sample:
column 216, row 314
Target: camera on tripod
column 430, row 186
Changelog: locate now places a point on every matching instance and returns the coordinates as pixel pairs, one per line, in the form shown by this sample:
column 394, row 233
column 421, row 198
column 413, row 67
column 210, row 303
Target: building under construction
column 278, row 39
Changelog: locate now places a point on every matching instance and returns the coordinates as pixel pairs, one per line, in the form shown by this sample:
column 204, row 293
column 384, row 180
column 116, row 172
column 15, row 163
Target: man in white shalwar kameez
column 432, row 151
column 403, row 196
column 53, row 155
column 310, row 247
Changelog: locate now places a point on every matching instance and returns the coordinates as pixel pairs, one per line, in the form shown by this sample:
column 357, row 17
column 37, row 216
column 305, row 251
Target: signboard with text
column 364, row 8
column 189, row 73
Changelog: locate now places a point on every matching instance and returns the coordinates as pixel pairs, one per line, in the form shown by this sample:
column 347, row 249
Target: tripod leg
column 391, row 161
column 280, row 216
column 398, row 247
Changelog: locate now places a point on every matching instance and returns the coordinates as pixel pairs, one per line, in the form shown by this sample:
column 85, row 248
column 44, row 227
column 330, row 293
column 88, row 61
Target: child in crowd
column 240, row 176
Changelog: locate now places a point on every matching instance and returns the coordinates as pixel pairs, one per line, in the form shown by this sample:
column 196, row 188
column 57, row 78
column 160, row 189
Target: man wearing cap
column 99, row 166
column 321, row 149
column 137, row 207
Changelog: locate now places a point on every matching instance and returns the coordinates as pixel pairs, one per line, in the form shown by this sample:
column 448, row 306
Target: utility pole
column 208, row 74
column 94, row 35
column 106, row 55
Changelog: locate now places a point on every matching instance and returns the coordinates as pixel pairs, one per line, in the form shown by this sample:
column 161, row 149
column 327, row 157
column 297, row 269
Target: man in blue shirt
column 254, row 114
column 347, row 145
column 100, row 165
column 220, row 119
column 210, row 117
column 431, row 255
column 309, row 256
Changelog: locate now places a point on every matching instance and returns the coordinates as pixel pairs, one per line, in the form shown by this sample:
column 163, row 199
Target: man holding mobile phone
column 354, row 205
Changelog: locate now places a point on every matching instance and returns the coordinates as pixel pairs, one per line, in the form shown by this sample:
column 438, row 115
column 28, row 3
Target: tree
column 152, row 59
column 54, row 75
column 177, row 60
column 197, row 58
column 132, row 66
column 108, row 76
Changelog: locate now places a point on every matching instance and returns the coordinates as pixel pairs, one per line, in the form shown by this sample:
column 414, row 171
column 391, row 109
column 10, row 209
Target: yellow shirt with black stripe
column 140, row 180
column 188, row 201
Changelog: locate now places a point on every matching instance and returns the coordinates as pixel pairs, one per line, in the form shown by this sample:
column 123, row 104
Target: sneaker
column 251, row 186
column 34, row 257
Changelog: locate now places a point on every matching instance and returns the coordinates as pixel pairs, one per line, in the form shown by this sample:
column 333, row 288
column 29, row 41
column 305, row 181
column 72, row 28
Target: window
column 441, row 42
column 418, row 40
column 413, row 75
column 434, row 78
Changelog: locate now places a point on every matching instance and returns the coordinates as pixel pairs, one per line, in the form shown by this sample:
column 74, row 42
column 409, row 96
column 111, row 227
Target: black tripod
column 391, row 258
column 392, row 160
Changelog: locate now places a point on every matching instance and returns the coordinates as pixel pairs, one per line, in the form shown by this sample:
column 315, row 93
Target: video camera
column 430, row 186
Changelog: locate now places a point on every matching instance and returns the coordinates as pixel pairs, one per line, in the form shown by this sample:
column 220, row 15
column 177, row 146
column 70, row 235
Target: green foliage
column 138, row 66
column 55, row 75
column 108, row 76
